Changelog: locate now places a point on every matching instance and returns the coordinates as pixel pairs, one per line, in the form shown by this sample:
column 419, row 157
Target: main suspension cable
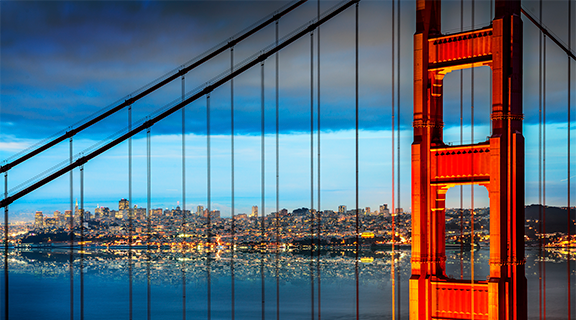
column 151, row 87
column 171, row 108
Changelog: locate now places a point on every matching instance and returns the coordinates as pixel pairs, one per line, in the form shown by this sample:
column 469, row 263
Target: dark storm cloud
column 62, row 61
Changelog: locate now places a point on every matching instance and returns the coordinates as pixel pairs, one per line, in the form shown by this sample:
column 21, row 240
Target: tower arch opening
column 461, row 239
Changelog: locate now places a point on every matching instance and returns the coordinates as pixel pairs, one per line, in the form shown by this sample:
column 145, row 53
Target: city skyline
column 69, row 67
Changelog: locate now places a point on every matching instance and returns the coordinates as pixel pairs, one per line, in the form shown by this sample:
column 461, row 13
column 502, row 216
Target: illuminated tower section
column 497, row 164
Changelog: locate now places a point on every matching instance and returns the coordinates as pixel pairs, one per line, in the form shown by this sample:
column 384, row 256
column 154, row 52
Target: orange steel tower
column 497, row 164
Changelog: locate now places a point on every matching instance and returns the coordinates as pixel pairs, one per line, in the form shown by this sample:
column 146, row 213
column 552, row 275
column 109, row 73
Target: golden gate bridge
column 497, row 163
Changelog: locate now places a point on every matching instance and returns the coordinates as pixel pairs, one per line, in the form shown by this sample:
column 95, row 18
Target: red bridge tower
column 497, row 164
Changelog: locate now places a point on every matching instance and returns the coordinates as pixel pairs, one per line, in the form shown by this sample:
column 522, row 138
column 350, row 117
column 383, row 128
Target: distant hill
column 555, row 217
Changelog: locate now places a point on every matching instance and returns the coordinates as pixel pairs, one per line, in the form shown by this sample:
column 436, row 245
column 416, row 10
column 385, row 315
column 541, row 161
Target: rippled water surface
column 171, row 285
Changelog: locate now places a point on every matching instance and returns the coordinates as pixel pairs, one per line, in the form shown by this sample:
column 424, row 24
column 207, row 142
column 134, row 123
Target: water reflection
column 40, row 282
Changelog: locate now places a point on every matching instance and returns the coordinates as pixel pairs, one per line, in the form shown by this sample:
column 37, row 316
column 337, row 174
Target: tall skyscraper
column 39, row 220
column 254, row 212
column 123, row 209
column 200, row 211
column 98, row 213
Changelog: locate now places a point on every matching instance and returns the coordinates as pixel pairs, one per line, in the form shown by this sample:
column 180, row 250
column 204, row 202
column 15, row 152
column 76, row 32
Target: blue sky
column 62, row 61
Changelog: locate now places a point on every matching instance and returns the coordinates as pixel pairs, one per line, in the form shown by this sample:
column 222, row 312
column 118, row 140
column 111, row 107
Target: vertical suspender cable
column 262, row 185
column 233, row 231
column 490, row 15
column 568, row 270
column 393, row 149
column 148, row 223
column 312, row 174
column 398, row 110
column 209, row 208
column 277, row 181
column 540, row 167
column 6, row 305
column 544, row 166
column 398, row 274
column 461, row 142
column 318, row 212
column 541, row 170
column 472, row 176
column 357, row 206
column 184, row 222
column 82, row 242
column 130, row 216
column 71, row 235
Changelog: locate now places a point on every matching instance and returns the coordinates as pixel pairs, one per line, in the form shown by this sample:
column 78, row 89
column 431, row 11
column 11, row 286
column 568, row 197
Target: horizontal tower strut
column 209, row 88
column 174, row 75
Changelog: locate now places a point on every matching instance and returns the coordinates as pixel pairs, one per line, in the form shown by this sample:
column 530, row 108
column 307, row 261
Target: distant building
column 139, row 213
column 50, row 222
column 384, row 210
column 342, row 209
column 329, row 213
column 241, row 216
column 98, row 213
column 68, row 217
column 399, row 211
column 101, row 212
column 77, row 211
column 200, row 211
column 254, row 212
column 58, row 217
column 123, row 208
column 39, row 220
column 367, row 211
column 157, row 213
